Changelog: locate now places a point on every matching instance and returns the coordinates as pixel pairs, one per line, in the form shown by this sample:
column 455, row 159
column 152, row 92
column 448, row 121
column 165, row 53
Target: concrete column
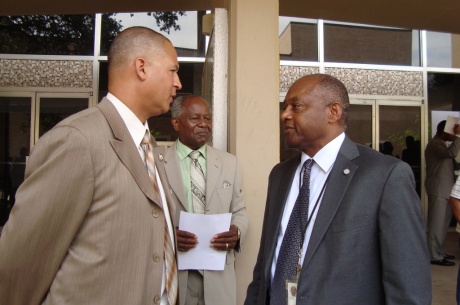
column 253, row 113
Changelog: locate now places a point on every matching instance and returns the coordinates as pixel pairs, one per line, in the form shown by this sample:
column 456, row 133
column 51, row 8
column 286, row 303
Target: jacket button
column 156, row 300
column 156, row 258
column 155, row 213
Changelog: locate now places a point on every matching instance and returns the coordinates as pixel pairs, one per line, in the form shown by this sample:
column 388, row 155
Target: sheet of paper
column 450, row 123
column 203, row 257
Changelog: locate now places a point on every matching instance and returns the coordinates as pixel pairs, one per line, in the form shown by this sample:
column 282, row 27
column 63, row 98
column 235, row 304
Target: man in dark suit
column 363, row 239
column 88, row 227
column 221, row 193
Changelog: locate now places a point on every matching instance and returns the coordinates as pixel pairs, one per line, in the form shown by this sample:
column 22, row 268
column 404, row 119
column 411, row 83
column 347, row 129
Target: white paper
column 450, row 123
column 203, row 256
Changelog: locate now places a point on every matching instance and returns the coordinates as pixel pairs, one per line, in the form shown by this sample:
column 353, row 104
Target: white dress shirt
column 137, row 132
column 324, row 160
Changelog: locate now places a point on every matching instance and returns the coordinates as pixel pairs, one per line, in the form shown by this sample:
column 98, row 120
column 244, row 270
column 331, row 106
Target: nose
column 285, row 115
column 177, row 82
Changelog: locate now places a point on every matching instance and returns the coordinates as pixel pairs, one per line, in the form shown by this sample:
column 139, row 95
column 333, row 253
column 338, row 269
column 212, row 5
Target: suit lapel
column 213, row 169
column 278, row 193
column 339, row 179
column 127, row 151
column 173, row 169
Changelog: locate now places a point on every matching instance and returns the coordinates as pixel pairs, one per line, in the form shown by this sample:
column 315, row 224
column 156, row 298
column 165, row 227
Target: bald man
column 88, row 226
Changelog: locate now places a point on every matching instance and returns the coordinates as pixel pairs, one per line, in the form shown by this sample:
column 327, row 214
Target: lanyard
column 304, row 230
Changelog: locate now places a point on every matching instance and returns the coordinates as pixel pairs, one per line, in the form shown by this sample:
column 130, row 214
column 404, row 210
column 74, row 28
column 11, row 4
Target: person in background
column 439, row 180
column 343, row 223
column 208, row 181
column 454, row 201
column 89, row 226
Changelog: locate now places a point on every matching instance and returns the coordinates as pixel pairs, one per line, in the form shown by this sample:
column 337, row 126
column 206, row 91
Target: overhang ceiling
column 440, row 15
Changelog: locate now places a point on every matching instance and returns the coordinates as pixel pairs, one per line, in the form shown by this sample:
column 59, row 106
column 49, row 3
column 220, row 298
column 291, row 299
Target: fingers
column 225, row 241
column 185, row 240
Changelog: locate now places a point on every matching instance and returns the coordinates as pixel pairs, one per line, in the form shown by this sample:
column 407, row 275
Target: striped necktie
column 169, row 255
column 198, row 184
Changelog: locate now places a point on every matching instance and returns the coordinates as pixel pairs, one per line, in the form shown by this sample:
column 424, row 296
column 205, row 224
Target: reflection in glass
column 371, row 45
column 184, row 29
column 443, row 50
column 53, row 110
column 400, row 128
column 298, row 39
column 47, row 34
column 14, row 147
column 359, row 127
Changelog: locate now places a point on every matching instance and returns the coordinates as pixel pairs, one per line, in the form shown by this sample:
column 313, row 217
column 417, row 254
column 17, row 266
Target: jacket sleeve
column 406, row 271
column 50, row 207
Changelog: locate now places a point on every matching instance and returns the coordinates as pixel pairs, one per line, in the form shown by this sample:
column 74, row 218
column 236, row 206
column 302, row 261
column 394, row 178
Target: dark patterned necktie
column 286, row 264
column 169, row 255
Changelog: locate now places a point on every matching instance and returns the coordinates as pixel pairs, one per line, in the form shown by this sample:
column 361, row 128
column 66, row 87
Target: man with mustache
column 208, row 181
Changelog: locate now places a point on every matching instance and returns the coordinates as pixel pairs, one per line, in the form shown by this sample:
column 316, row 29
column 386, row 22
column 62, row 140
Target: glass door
column 391, row 127
column 24, row 117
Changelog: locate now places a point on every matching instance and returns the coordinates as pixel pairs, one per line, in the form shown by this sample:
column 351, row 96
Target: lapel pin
column 226, row 184
column 346, row 171
column 161, row 157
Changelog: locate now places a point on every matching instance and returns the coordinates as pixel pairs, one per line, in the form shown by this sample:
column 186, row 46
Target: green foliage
column 66, row 34
column 399, row 139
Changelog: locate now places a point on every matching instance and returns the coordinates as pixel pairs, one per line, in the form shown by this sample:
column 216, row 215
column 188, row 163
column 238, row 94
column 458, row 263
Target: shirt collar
column 183, row 151
column 325, row 158
column 135, row 127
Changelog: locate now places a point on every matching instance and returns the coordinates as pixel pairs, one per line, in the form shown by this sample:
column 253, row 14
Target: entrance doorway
column 390, row 127
column 24, row 117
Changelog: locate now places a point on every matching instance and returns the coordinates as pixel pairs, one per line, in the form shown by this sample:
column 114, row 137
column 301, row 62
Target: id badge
column 291, row 287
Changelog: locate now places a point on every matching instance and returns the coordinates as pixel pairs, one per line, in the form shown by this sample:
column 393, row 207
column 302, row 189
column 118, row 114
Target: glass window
column 55, row 109
column 443, row 50
column 182, row 28
column 443, row 94
column 371, row 45
column 47, row 34
column 298, row 39
column 14, row 148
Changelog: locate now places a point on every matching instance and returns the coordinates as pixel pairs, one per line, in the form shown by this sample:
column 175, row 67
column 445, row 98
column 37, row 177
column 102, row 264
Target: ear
column 335, row 112
column 175, row 123
column 141, row 70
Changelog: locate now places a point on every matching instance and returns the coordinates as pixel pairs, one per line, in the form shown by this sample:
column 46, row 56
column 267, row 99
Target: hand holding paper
column 205, row 228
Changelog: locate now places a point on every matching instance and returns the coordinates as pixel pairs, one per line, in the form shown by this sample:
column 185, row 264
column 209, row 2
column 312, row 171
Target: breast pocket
column 349, row 224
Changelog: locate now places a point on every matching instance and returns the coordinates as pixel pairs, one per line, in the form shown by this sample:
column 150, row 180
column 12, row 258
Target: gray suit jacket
column 87, row 226
column 439, row 167
column 224, row 194
column 368, row 242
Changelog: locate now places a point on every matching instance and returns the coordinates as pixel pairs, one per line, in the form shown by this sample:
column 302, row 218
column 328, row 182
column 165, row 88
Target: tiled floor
column 444, row 279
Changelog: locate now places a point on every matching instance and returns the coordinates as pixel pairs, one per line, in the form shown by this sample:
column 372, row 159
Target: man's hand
column 226, row 240
column 457, row 129
column 185, row 240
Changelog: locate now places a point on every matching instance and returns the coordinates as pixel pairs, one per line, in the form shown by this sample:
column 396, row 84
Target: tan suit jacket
column 223, row 195
column 87, row 226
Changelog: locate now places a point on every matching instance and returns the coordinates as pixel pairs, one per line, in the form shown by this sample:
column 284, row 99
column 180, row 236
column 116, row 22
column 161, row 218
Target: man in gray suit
column 363, row 239
column 440, row 179
column 220, row 192
column 88, row 226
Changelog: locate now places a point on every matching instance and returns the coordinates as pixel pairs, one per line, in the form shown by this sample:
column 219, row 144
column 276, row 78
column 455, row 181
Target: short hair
column 133, row 42
column 440, row 127
column 333, row 90
column 177, row 107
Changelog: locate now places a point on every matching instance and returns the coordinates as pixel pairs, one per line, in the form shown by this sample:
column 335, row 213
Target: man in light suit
column 440, row 179
column 364, row 241
column 191, row 118
column 88, row 226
